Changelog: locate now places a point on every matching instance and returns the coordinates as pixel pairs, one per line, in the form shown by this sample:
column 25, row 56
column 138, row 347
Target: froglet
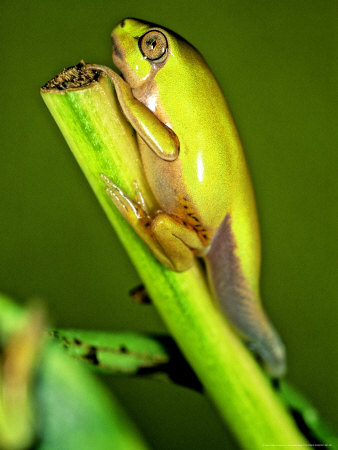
column 194, row 163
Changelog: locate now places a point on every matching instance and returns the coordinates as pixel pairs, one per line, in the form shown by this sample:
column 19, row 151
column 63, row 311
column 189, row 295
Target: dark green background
column 275, row 62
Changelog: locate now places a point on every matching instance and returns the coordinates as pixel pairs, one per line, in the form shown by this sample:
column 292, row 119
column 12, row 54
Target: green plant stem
column 102, row 142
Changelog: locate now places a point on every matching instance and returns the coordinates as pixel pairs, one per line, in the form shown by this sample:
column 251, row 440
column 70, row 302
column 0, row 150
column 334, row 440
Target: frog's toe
column 123, row 203
column 107, row 181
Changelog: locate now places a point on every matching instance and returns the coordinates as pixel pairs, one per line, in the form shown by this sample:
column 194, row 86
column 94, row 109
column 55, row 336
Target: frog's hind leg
column 177, row 241
column 240, row 304
column 171, row 241
column 135, row 215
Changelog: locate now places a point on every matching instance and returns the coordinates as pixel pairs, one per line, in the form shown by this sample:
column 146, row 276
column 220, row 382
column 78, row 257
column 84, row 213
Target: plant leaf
column 72, row 410
column 140, row 354
column 129, row 353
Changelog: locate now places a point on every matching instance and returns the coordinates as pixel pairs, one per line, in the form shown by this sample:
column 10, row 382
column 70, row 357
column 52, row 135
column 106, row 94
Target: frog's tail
column 239, row 304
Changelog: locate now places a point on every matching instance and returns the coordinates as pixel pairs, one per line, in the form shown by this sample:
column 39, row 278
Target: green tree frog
column 195, row 165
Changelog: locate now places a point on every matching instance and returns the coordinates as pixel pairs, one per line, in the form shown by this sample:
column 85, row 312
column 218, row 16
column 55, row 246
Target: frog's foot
column 130, row 209
column 172, row 242
column 135, row 215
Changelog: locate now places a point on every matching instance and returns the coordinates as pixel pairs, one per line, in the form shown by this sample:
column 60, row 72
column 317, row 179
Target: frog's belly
column 167, row 182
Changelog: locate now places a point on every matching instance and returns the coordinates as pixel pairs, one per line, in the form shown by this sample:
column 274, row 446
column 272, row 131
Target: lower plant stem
column 102, row 142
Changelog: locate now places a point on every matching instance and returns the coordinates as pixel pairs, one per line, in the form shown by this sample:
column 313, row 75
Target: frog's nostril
column 122, row 23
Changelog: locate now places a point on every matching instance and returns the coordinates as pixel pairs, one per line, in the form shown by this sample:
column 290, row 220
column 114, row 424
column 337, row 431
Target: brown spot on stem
column 140, row 295
column 91, row 356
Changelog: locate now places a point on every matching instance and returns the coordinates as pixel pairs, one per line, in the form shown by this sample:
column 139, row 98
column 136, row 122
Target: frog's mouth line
column 116, row 50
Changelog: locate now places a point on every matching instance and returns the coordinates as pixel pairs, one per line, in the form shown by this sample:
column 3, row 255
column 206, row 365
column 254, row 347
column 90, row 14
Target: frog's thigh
column 176, row 240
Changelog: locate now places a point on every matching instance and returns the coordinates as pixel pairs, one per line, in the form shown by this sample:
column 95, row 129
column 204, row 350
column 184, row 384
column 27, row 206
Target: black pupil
column 152, row 43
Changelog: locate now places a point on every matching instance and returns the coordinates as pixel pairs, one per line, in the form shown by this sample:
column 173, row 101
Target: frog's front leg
column 172, row 242
column 159, row 137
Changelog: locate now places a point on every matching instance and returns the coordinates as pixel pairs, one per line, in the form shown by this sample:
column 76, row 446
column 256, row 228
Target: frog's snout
column 124, row 22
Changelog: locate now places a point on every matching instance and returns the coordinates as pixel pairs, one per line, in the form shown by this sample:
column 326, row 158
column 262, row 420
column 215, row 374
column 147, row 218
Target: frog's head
column 141, row 49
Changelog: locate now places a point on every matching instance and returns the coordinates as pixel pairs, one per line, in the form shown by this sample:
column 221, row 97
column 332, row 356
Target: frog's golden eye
column 153, row 45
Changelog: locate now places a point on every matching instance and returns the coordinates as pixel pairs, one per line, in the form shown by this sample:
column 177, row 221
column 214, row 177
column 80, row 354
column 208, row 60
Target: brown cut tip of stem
column 73, row 78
